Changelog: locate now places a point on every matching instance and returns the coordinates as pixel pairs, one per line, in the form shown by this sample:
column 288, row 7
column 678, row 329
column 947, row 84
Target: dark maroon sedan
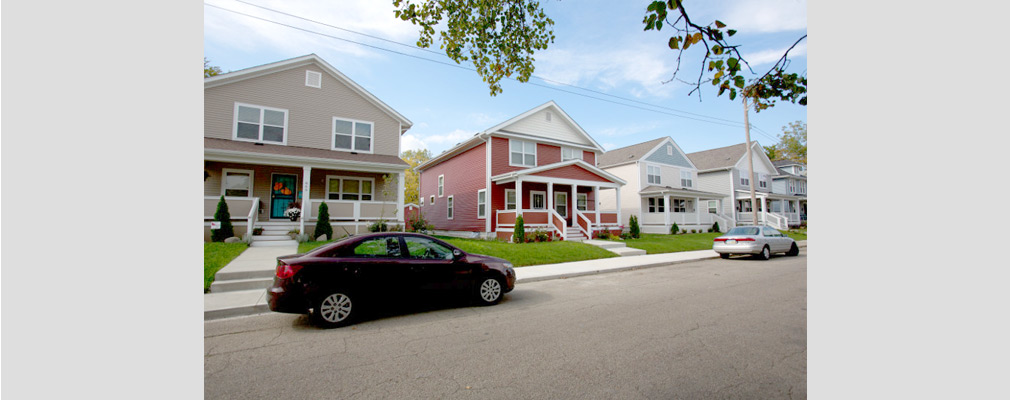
column 329, row 282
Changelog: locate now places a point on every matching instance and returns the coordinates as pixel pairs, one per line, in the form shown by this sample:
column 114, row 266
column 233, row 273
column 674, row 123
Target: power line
column 735, row 124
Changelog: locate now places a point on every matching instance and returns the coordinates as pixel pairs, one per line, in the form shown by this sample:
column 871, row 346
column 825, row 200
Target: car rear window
column 743, row 230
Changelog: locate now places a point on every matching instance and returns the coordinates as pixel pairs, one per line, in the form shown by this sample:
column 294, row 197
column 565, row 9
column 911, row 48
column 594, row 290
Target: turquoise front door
column 282, row 192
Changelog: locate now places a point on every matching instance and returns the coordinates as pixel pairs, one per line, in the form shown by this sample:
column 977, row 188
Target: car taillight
column 719, row 239
column 285, row 271
column 745, row 240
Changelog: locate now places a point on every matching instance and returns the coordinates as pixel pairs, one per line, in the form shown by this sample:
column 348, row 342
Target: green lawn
column 216, row 256
column 654, row 243
column 524, row 254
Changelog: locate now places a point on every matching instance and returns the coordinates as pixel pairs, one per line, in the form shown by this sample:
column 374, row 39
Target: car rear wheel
column 724, row 256
column 334, row 309
column 489, row 291
column 765, row 254
column 793, row 251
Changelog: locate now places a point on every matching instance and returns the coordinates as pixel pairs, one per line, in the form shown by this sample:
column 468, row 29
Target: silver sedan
column 759, row 240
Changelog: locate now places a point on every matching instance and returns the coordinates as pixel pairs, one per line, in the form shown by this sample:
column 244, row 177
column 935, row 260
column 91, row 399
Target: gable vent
column 313, row 79
column 548, row 117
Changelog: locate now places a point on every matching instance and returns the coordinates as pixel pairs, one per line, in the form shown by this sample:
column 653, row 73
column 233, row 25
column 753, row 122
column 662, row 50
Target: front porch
column 689, row 209
column 775, row 210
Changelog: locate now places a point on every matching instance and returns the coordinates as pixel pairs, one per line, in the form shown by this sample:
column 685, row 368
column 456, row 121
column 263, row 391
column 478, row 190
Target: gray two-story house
column 299, row 133
column 725, row 170
column 792, row 181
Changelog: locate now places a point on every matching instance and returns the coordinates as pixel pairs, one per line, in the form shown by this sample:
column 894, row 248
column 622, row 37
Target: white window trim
column 480, row 205
column 507, row 191
column 576, row 153
column 441, row 185
column 689, row 179
column 224, row 180
column 654, row 207
column 658, row 175
column 585, row 197
column 432, row 200
column 669, row 150
column 422, row 201
column 713, row 207
column 341, row 192
column 524, row 153
column 317, row 75
column 450, row 212
column 354, row 128
column 792, row 186
column 234, row 124
column 556, row 194
column 533, row 192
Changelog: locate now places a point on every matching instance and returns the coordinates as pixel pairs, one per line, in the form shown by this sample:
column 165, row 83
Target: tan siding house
column 299, row 131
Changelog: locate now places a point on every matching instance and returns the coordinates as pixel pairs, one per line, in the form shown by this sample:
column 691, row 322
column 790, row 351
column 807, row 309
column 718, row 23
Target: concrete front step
column 628, row 251
column 274, row 243
column 267, row 238
column 234, row 285
column 234, row 304
column 605, row 244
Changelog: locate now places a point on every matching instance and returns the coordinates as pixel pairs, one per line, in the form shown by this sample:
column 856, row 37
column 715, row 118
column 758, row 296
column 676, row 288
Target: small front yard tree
column 323, row 226
column 222, row 216
column 519, row 233
column 674, row 229
column 633, row 228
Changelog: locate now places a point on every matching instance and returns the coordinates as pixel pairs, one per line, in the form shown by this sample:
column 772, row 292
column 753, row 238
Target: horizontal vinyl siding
column 465, row 174
column 310, row 110
column 557, row 129
column 589, row 157
column 572, row 172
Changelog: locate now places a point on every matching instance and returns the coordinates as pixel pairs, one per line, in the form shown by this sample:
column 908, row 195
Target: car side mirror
column 457, row 254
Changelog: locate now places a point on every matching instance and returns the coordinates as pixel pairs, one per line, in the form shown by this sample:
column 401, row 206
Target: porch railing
column 775, row 221
column 558, row 224
column 725, row 224
column 253, row 216
column 552, row 221
column 584, row 224
column 349, row 210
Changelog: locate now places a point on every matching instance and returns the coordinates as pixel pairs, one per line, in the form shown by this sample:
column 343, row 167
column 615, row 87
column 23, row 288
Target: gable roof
column 727, row 157
column 252, row 72
column 783, row 163
column 552, row 105
column 579, row 163
column 627, row 154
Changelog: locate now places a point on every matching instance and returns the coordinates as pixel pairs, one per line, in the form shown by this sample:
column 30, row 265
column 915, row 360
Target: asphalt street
column 709, row 329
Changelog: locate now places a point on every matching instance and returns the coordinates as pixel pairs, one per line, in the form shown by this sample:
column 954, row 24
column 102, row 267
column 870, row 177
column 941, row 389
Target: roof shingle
column 627, row 154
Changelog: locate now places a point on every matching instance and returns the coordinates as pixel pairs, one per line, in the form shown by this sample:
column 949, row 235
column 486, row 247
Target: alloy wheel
column 335, row 307
column 490, row 290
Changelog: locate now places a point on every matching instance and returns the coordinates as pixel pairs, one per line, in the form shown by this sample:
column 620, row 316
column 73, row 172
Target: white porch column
column 401, row 186
column 574, row 205
column 550, row 197
column 306, row 179
column 596, row 208
column 519, row 197
column 619, row 220
column 764, row 210
column 697, row 212
column 666, row 209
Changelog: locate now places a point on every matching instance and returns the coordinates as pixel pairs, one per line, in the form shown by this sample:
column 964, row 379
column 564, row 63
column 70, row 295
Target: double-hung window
column 655, row 204
column 522, row 153
column 237, row 183
column 713, row 207
column 744, row 178
column 260, row 124
column 803, row 187
column 762, row 181
column 568, row 153
column 538, row 200
column 685, row 179
column 581, row 201
column 448, row 207
column 441, row 184
column 481, row 203
column 510, row 199
column 652, row 174
column 346, row 188
column 352, row 135
column 678, row 205
column 792, row 186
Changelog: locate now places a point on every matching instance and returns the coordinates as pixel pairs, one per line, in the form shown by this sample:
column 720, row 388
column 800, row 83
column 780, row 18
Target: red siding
column 589, row 157
column 572, row 172
column 546, row 154
column 465, row 174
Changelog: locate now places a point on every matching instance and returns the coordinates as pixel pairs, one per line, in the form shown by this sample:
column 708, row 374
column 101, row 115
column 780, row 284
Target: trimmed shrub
column 323, row 226
column 674, row 229
column 715, row 227
column 378, row 226
column 419, row 224
column 519, row 233
column 634, row 230
column 603, row 235
column 222, row 215
column 541, row 236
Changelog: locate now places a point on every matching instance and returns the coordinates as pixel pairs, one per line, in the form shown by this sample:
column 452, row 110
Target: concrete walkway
column 263, row 262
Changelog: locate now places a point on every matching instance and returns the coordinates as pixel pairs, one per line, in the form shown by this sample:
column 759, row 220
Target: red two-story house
column 540, row 165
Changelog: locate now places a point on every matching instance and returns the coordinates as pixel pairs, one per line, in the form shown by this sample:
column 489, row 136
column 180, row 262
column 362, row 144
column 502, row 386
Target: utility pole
column 750, row 160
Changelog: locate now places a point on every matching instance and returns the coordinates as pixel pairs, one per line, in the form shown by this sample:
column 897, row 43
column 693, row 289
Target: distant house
column 726, row 171
column 540, row 165
column 792, row 180
column 299, row 131
column 662, row 189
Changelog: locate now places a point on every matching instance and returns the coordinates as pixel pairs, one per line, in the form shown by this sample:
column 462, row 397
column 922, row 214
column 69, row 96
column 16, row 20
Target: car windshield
column 743, row 230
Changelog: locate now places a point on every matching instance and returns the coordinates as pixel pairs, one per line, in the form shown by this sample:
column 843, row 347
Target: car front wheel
column 724, row 255
column 793, row 251
column 334, row 309
column 765, row 254
column 489, row 291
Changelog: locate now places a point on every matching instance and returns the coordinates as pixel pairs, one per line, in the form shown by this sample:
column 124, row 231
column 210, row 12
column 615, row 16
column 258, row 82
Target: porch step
column 268, row 238
column 273, row 243
column 233, row 285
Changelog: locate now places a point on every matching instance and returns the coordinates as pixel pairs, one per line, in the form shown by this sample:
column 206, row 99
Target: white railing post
column 253, row 213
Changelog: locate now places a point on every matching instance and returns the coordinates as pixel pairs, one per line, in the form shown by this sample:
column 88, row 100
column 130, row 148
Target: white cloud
column 450, row 138
column 411, row 142
column 773, row 55
column 765, row 16
column 366, row 16
column 642, row 68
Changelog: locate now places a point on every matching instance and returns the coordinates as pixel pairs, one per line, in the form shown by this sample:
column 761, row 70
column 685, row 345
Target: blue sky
column 599, row 45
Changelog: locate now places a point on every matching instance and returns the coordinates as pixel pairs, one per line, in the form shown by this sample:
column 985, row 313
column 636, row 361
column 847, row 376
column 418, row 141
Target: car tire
column 793, row 251
column 765, row 253
column 489, row 291
column 724, row 256
column 334, row 308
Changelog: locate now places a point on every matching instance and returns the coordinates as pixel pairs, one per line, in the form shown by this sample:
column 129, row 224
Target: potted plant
column 294, row 210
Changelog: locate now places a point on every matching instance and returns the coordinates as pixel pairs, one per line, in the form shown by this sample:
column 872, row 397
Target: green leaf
column 711, row 65
column 731, row 63
column 715, row 81
column 687, row 42
column 739, row 81
column 673, row 4
column 717, row 49
column 731, row 32
column 719, row 24
column 732, row 94
column 675, row 42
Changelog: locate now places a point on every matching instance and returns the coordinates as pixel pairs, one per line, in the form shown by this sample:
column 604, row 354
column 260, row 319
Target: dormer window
column 260, row 124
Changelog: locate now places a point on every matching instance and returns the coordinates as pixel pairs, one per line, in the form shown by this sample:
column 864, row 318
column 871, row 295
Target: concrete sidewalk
column 259, row 263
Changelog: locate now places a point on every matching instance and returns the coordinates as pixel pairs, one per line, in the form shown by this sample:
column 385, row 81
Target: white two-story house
column 792, row 180
column 726, row 171
column 662, row 188
column 298, row 133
